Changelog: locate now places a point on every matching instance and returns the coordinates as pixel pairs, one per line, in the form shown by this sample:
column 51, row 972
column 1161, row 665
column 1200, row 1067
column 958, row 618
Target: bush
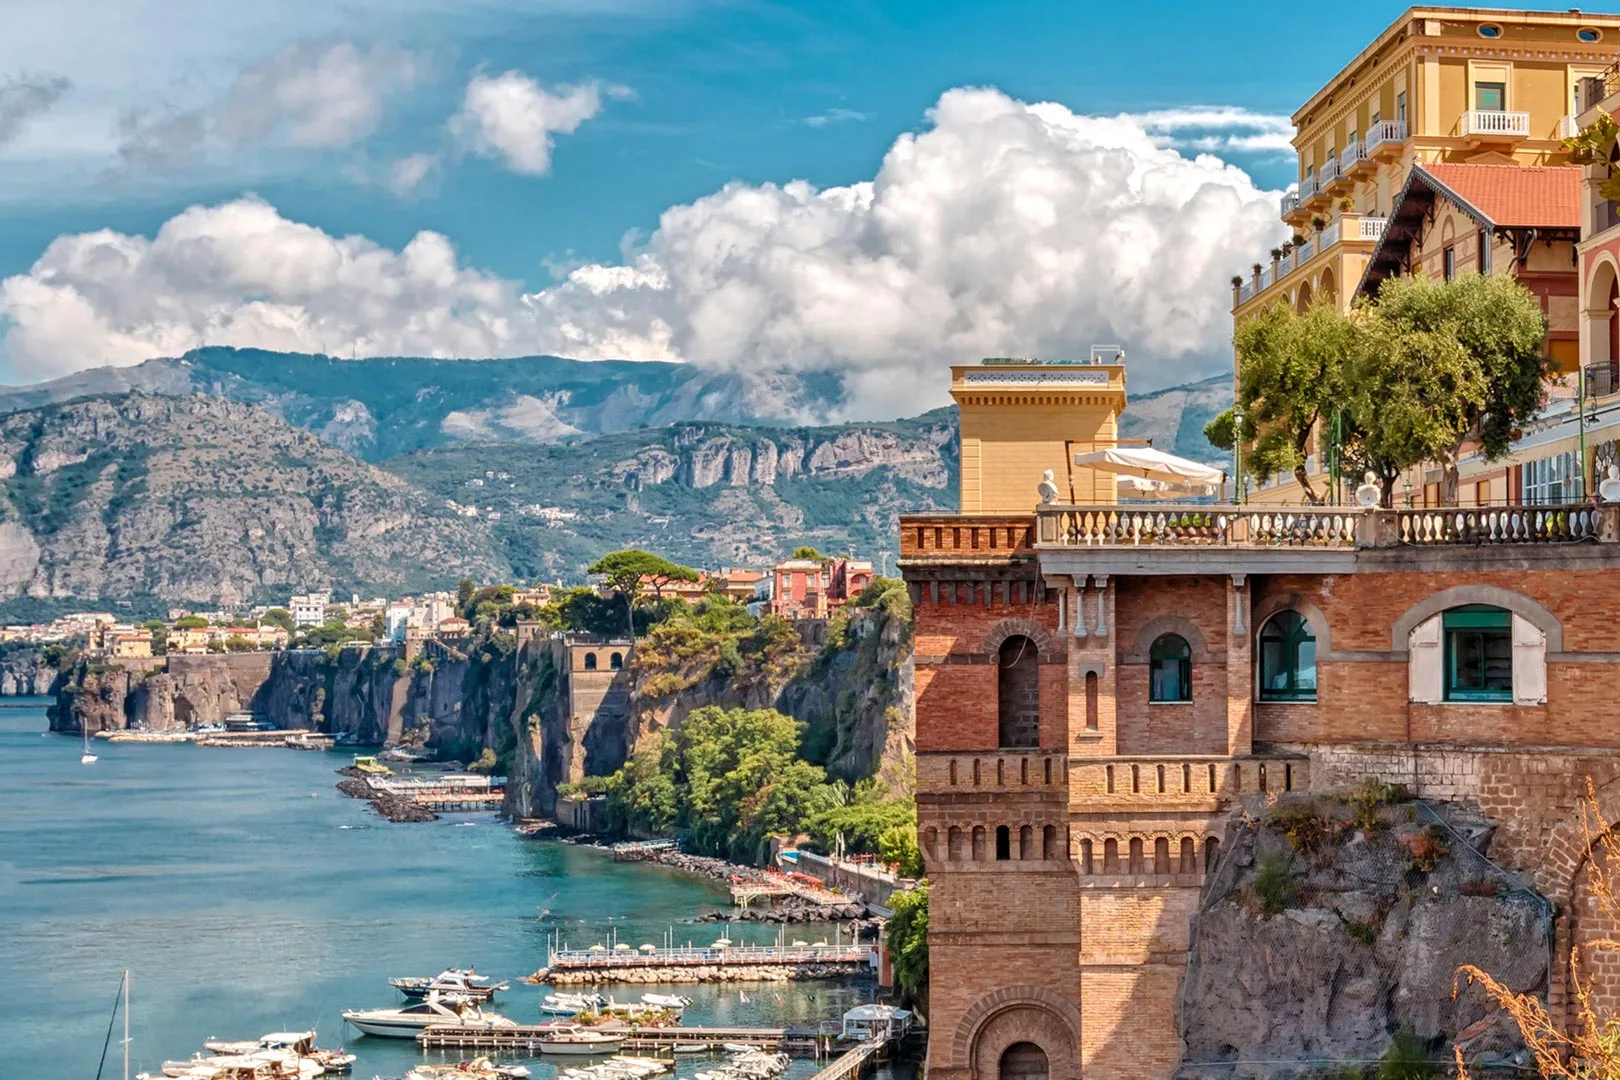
column 1427, row 849
column 1274, row 886
column 1307, row 830
column 1364, row 932
column 1373, row 796
column 1407, row 1059
column 726, row 665
column 908, row 943
column 487, row 763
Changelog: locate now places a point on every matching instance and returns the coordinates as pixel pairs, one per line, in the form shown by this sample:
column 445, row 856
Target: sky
column 877, row 189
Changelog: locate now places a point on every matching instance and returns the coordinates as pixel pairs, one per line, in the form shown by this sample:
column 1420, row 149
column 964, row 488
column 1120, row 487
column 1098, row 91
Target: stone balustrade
column 1153, row 779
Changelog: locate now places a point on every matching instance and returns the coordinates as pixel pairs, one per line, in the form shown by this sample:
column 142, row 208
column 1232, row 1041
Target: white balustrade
column 1496, row 124
column 1353, row 155
column 1383, row 132
column 1371, row 228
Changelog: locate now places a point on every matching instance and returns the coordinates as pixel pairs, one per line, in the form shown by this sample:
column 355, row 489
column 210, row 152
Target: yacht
column 575, row 1041
column 666, row 1001
column 300, row 1043
column 467, row 983
column 435, row 1010
column 480, row 1068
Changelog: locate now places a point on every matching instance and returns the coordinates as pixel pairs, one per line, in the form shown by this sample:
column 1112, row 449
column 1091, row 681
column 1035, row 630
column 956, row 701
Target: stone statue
column 1048, row 489
column 1369, row 494
column 1609, row 490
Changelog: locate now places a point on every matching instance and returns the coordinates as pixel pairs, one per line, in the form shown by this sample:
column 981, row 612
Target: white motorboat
column 692, row 1048
column 480, row 1068
column 300, row 1043
column 579, row 1041
column 571, row 1004
column 666, row 1001
column 434, row 1011
column 450, row 981
column 239, row 1067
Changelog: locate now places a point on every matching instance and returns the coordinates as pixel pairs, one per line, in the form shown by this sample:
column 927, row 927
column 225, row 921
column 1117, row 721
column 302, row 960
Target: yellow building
column 1439, row 85
column 1022, row 417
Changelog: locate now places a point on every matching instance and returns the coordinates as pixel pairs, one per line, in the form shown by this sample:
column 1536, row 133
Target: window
column 1589, row 34
column 1287, row 659
column 1551, row 481
column 1479, row 654
column 1170, row 669
column 1489, row 30
column 1484, row 260
column 1449, row 269
column 590, row 661
column 1400, row 107
column 1003, row 843
column 1490, row 96
column 616, row 661
column 1018, row 693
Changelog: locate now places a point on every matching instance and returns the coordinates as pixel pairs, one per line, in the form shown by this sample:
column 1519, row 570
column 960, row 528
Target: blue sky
column 122, row 118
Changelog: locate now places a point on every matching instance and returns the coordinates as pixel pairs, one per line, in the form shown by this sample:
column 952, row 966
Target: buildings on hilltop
column 815, row 588
column 1439, row 150
column 1098, row 687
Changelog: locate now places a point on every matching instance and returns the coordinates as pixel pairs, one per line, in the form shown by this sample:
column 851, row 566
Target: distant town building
column 813, row 589
column 308, row 609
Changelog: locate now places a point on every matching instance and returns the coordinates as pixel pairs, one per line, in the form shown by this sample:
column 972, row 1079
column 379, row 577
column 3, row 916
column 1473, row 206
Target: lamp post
column 1237, row 450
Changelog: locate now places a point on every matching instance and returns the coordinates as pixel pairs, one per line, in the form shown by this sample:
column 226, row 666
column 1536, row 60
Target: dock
column 632, row 850
column 710, row 956
column 853, row 1062
column 449, row 793
column 774, row 885
column 804, row 1041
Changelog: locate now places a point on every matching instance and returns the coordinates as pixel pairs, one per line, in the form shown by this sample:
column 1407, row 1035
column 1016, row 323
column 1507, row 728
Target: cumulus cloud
column 1001, row 228
column 316, row 95
column 408, row 174
column 835, row 116
column 25, row 97
column 513, row 118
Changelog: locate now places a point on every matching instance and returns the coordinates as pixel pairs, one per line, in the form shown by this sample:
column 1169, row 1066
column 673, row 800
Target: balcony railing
column 1354, row 228
column 953, row 535
column 1353, row 155
column 1568, row 127
column 1329, row 173
column 1319, row 528
column 1307, row 187
column 1596, row 89
column 1495, row 124
column 1290, row 203
column 1385, row 134
column 1370, row 229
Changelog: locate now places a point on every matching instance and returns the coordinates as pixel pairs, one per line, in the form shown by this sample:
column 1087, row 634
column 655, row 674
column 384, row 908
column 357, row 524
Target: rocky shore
column 792, row 909
column 395, row 808
column 713, row 973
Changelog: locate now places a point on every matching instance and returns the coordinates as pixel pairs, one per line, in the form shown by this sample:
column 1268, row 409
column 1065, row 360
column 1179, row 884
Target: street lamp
column 1237, row 449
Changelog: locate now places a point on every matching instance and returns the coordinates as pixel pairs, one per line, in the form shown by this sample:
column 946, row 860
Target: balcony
column 1310, row 189
column 1596, row 89
column 1328, row 176
column 1385, row 138
column 1350, row 228
column 1323, row 528
column 1568, row 127
column 1354, row 161
column 1290, row 204
column 1490, row 125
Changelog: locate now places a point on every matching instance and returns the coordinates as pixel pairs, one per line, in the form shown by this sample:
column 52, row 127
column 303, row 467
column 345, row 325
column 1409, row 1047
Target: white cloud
column 316, row 95
column 835, row 116
column 25, row 97
column 1219, row 128
column 512, row 117
column 1002, row 228
column 408, row 174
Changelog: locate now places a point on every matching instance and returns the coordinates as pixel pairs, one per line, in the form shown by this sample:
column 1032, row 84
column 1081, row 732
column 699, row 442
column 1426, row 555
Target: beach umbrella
column 621, row 947
column 649, row 947
column 799, row 943
column 721, row 943
column 598, row 947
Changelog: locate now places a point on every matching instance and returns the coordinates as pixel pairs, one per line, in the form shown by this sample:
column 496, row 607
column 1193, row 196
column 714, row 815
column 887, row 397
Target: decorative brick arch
column 1029, row 628
column 1566, row 852
column 1457, row 596
column 1154, row 628
column 1017, row 1014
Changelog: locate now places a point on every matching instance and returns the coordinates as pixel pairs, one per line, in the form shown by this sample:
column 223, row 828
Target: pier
column 804, row 1041
column 774, row 885
column 711, row 956
column 852, row 1062
column 446, row 793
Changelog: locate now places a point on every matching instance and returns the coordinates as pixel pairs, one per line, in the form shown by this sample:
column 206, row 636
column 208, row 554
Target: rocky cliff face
column 201, row 499
column 1319, row 939
column 26, row 673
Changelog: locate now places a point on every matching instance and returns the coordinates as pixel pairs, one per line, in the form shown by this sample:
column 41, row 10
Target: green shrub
column 1306, row 829
column 1374, row 795
column 1363, row 932
column 1407, row 1059
column 486, row 763
column 1274, row 886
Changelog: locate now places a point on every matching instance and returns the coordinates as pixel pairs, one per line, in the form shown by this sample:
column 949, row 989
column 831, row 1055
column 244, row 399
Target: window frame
column 1484, row 621
column 1501, row 89
column 1170, row 648
column 1448, row 263
column 1291, row 642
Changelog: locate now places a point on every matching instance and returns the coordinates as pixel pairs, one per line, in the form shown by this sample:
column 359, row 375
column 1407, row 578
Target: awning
column 1150, row 464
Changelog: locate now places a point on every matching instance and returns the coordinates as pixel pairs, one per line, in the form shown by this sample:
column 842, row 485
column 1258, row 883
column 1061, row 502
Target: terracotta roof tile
column 1545, row 196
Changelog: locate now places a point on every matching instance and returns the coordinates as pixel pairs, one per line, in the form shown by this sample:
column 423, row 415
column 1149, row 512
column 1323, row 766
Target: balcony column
column 1077, row 614
column 1091, row 671
column 1239, row 670
column 1060, row 587
column 1102, row 605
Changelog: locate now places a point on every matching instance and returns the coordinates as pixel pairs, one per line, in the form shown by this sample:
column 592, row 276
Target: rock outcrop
column 1319, row 940
column 25, row 672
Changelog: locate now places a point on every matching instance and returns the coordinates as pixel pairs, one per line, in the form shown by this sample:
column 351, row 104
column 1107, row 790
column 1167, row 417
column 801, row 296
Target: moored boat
column 574, row 1040
column 666, row 1001
column 450, row 981
column 479, row 1068
column 434, row 1011
column 299, row 1043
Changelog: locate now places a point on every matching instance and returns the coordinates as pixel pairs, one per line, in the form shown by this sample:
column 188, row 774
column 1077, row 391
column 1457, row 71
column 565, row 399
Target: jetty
column 635, row 850
column 774, row 885
column 805, row 1041
column 450, row 792
column 712, row 964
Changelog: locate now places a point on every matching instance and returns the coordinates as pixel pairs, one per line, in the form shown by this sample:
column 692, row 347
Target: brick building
column 1098, row 686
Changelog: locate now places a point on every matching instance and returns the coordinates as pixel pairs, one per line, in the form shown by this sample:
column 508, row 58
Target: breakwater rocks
column 791, row 909
column 397, row 808
column 708, row 973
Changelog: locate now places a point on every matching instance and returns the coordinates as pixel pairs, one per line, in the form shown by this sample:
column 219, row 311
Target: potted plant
column 1318, row 224
column 1276, row 253
column 1288, row 246
column 1347, row 204
column 1298, row 241
column 1237, row 281
column 1256, row 269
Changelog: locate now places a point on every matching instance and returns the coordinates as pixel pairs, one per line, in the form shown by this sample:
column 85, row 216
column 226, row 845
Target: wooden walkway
column 782, row 885
column 853, row 1062
column 742, row 956
column 529, row 1037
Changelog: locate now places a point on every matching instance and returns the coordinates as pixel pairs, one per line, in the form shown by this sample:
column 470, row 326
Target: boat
column 574, row 1040
column 666, row 1001
column 369, row 765
column 86, row 758
column 299, row 1043
column 243, row 1067
column 450, row 981
column 435, row 1010
column 566, row 1004
column 693, row 1048
column 479, row 1068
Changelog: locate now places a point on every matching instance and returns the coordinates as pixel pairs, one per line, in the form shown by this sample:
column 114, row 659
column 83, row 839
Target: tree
column 898, row 847
column 628, row 571
column 908, row 943
column 1442, row 366
column 807, row 552
column 190, row 622
column 1291, row 376
column 277, row 617
column 1591, row 1049
column 464, row 590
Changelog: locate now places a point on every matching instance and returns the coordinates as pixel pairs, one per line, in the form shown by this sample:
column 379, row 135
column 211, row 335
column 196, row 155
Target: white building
column 308, row 609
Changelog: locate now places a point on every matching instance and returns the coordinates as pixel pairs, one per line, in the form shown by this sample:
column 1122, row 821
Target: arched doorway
column 1018, row 693
column 1327, row 286
column 1302, row 299
column 1603, row 324
column 1024, row 1061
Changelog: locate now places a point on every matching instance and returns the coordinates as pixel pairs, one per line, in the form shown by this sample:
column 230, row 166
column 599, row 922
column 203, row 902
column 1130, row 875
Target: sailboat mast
column 126, row 1024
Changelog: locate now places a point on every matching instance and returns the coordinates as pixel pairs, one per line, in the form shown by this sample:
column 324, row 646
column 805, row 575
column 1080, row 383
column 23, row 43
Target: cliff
column 199, row 499
column 1330, row 933
column 25, row 671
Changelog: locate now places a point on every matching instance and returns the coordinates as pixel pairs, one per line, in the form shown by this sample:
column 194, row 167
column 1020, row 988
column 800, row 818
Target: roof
column 1521, row 196
column 876, row 1012
column 1546, row 198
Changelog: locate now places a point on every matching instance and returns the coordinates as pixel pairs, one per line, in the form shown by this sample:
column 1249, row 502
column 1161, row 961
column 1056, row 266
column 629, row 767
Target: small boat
column 666, row 1001
column 86, row 758
column 693, row 1048
column 299, row 1043
column 435, row 1010
column 574, row 1040
column 566, row 1004
column 450, row 981
column 738, row 1048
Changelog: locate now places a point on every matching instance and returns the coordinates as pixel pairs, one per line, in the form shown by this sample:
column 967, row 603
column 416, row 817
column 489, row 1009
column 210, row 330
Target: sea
column 245, row 895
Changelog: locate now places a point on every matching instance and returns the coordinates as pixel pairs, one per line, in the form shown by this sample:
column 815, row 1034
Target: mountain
column 706, row 494
column 382, row 408
column 150, row 499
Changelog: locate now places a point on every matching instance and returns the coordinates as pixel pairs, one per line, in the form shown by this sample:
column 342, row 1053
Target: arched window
column 590, row 661
column 1003, row 843
column 1018, row 693
column 1170, row 665
column 1287, row 659
column 1479, row 653
column 616, row 661
column 1023, row 1061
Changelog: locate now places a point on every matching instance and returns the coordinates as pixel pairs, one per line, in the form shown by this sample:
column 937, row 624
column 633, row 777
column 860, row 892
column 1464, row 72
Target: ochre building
column 1098, row 686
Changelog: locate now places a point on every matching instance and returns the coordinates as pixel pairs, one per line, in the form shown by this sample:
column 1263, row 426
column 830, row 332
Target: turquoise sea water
column 246, row 895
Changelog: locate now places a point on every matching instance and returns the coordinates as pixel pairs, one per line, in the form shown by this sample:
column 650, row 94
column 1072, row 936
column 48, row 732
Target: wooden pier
column 775, row 885
column 530, row 1036
column 853, row 1062
column 605, row 962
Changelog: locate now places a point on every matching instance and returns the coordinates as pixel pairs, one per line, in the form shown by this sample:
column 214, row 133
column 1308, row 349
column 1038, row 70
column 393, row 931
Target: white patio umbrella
column 1146, row 463
column 1137, row 487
